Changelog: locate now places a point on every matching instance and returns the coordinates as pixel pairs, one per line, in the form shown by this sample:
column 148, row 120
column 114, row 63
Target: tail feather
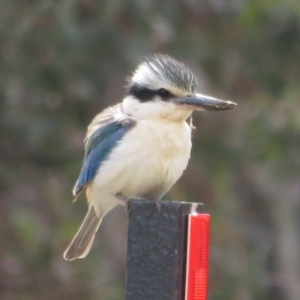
column 83, row 240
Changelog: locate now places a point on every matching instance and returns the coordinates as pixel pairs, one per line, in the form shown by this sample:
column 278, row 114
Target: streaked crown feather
column 162, row 71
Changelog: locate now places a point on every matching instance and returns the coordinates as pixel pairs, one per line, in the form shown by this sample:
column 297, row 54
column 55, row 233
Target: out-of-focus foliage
column 61, row 62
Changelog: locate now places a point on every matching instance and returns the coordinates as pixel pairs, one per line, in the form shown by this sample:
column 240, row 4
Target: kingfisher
column 140, row 147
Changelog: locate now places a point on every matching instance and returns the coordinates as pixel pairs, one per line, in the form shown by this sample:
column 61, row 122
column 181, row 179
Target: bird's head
column 162, row 87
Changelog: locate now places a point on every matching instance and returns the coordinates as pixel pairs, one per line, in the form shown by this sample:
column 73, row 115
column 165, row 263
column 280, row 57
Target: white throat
column 155, row 109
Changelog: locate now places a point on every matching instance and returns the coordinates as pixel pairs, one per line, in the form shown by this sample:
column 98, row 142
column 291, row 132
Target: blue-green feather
column 97, row 149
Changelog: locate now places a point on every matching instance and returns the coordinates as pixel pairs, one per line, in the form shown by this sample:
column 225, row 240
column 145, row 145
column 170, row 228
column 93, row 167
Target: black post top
column 156, row 251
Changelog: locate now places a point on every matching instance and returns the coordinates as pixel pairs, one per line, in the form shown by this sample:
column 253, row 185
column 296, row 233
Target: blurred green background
column 61, row 62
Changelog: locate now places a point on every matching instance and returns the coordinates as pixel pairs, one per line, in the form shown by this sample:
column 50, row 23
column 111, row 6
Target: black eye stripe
column 142, row 93
column 145, row 94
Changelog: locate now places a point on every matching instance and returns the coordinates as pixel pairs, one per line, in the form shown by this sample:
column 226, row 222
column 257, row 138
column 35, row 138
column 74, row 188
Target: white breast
column 149, row 160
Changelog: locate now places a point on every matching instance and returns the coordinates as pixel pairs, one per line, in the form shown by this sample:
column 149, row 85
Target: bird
column 140, row 147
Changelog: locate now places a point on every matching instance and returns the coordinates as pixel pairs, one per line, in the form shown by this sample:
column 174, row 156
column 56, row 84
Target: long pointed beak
column 202, row 102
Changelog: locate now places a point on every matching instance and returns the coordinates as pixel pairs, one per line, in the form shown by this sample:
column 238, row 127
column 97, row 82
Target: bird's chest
column 148, row 161
column 167, row 146
column 171, row 141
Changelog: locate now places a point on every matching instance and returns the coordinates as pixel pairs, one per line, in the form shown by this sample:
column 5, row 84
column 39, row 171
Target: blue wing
column 99, row 145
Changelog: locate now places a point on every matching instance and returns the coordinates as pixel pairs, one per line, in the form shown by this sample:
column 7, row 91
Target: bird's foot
column 123, row 198
column 158, row 205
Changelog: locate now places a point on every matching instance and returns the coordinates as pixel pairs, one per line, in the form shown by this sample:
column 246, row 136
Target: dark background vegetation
column 61, row 62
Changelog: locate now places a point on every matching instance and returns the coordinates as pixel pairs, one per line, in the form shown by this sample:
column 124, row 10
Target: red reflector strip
column 196, row 286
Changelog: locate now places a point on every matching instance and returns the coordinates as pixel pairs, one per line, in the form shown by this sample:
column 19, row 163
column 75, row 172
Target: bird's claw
column 123, row 198
column 158, row 205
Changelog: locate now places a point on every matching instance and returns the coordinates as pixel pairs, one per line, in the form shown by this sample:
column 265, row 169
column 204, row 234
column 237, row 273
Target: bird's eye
column 164, row 94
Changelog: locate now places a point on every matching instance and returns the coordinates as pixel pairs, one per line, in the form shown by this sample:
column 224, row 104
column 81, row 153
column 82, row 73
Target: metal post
column 157, row 245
